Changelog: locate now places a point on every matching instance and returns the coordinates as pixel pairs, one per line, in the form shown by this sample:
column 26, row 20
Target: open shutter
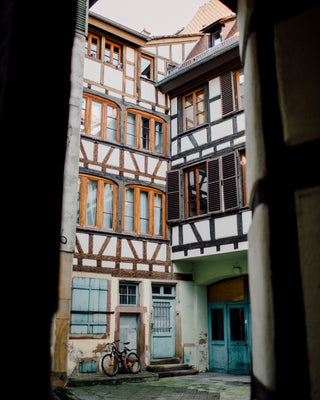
column 173, row 195
column 229, row 181
column 227, row 97
column 214, row 189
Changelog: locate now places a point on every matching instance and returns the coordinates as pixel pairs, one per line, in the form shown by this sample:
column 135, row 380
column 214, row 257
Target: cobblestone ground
column 200, row 387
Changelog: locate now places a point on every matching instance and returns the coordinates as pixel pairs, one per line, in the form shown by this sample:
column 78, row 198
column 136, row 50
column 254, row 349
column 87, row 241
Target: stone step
column 182, row 372
column 167, row 367
column 157, row 361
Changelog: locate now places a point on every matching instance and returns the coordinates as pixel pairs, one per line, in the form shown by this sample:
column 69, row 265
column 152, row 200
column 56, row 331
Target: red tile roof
column 206, row 15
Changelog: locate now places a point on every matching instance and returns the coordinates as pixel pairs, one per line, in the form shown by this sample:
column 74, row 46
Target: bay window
column 97, row 199
column 144, row 211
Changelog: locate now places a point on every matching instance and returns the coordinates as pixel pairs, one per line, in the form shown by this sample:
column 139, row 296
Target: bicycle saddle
column 126, row 342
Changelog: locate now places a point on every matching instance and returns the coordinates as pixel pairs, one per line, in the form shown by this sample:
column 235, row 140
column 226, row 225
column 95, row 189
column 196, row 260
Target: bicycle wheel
column 110, row 365
column 133, row 363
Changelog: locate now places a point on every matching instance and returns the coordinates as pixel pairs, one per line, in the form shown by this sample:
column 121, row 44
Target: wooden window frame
column 151, row 59
column 104, row 114
column 152, row 131
column 99, row 212
column 136, row 213
column 186, row 172
column 194, row 108
column 90, row 37
column 238, row 90
column 112, row 45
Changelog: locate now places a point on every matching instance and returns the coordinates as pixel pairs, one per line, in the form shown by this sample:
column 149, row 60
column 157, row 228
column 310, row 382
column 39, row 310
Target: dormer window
column 216, row 39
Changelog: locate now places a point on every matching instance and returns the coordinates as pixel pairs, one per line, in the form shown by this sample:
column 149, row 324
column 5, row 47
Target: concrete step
column 167, row 367
column 157, row 361
column 102, row 379
column 182, row 372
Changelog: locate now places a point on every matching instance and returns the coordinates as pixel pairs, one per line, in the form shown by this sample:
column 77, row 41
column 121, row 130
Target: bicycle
column 111, row 361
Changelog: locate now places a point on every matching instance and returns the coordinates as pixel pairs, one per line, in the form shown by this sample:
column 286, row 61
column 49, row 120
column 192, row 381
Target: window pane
column 237, row 323
column 146, row 67
column 116, row 56
column 94, row 47
column 188, row 115
column 95, row 129
column 241, row 85
column 107, row 53
column 158, row 140
column 131, row 129
column 217, row 324
column 107, row 206
column 83, row 115
column 145, row 132
column 129, row 210
column 111, row 123
column 91, row 202
column 192, row 193
column 144, row 212
column 203, row 190
column 200, row 112
column 158, row 229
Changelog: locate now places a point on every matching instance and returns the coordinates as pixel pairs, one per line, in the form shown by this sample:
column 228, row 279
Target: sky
column 159, row 17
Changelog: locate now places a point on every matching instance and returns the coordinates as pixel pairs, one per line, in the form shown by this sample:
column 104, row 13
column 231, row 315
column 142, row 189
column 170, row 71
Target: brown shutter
column 229, row 181
column 173, row 195
column 227, row 97
column 214, row 190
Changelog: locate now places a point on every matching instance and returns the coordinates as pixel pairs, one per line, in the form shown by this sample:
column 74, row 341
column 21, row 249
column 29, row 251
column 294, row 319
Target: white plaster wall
column 130, row 54
column 148, row 91
column 113, row 78
column 222, row 129
column 174, row 106
column 201, row 137
column 226, row 226
column 214, row 88
column 215, row 110
column 92, row 70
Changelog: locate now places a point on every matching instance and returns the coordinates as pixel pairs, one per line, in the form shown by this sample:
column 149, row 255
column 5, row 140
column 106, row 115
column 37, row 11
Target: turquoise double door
column 229, row 337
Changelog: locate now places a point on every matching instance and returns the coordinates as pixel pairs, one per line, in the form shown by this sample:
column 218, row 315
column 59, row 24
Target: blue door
column 163, row 322
column 229, row 337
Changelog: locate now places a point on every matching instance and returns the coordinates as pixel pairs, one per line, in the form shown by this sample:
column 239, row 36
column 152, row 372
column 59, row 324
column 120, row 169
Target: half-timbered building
column 161, row 229
column 123, row 284
column 206, row 200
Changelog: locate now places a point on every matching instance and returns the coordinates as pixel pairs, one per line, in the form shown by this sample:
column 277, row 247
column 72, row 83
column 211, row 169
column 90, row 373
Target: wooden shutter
column 227, row 93
column 229, row 181
column 173, row 195
column 214, row 189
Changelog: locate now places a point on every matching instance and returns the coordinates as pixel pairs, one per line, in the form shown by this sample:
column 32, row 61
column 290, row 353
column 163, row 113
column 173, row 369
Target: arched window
column 97, row 202
column 145, row 131
column 144, row 211
column 100, row 118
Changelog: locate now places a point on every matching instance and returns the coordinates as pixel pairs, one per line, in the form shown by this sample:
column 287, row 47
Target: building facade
column 160, row 254
column 207, row 201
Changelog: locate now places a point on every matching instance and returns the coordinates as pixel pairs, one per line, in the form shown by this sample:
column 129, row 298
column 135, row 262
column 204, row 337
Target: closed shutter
column 214, row 190
column 227, row 97
column 229, row 181
column 173, row 195
column 81, row 17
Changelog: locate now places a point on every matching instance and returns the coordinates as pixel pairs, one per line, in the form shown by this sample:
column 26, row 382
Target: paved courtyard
column 205, row 386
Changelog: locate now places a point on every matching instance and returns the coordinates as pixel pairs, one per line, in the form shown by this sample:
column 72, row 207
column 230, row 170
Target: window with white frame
column 128, row 294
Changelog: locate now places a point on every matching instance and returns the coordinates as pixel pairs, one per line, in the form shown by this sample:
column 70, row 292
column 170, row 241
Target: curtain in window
column 131, row 129
column 91, row 202
column 107, row 206
column 158, row 214
column 158, row 140
column 129, row 210
column 95, row 119
column 111, row 123
column 144, row 212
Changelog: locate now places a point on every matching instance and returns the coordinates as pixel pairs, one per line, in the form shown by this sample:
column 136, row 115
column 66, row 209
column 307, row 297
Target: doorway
column 163, row 322
column 129, row 331
column 229, row 327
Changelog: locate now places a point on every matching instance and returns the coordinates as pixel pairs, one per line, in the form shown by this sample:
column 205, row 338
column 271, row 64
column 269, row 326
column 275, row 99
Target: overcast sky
column 159, row 17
